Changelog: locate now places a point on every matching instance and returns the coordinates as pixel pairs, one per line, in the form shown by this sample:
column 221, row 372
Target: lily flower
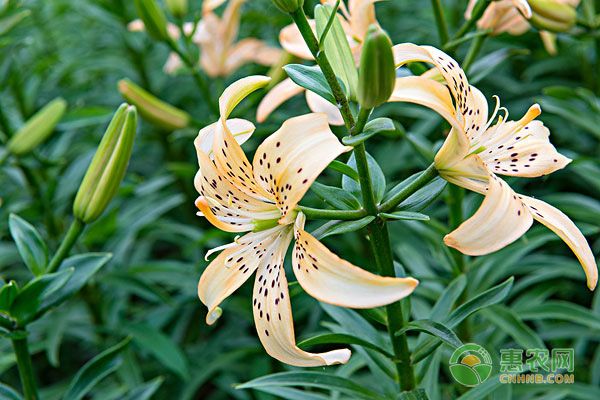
column 355, row 20
column 260, row 198
column 220, row 54
column 513, row 17
column 476, row 151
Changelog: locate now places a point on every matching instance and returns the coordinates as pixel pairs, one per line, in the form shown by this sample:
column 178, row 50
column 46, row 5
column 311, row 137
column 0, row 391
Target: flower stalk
column 75, row 230
column 25, row 367
column 440, row 21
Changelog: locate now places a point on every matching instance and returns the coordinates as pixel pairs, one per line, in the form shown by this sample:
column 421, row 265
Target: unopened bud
column 153, row 109
column 552, row 15
column 377, row 73
column 288, row 6
column 38, row 128
column 107, row 169
column 154, row 18
column 177, row 8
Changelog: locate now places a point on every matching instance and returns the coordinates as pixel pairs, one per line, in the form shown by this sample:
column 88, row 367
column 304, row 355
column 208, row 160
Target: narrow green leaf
column 561, row 310
column 417, row 394
column 8, row 393
column 95, row 370
column 8, row 293
column 449, row 296
column 341, row 338
column 335, row 197
column 310, row 78
column 344, row 169
column 339, row 227
column 144, row 391
column 511, row 323
column 433, row 328
column 372, row 128
column 162, row 347
column 9, row 22
column 405, row 215
column 29, row 299
column 30, row 244
column 313, row 379
column 377, row 179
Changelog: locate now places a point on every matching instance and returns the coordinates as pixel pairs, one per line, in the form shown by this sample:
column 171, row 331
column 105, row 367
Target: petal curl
column 231, row 269
column 279, row 94
column 238, row 91
column 562, row 225
column 333, row 280
column 501, row 219
column 241, row 130
column 288, row 161
column 273, row 313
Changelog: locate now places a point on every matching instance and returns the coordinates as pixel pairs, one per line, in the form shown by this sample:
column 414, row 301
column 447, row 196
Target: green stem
column 313, row 44
column 440, row 21
column 380, row 244
column 362, row 165
column 478, row 11
column 198, row 78
column 342, row 215
column 25, row 367
column 66, row 245
column 474, row 50
column 422, row 180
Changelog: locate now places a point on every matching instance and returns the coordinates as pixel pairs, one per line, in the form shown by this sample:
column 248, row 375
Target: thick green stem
column 473, row 52
column 422, row 180
column 380, row 244
column 440, row 21
column 67, row 244
column 362, row 165
column 319, row 55
column 25, row 368
column 342, row 215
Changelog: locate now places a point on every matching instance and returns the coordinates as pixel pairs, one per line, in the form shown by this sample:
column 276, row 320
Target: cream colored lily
column 260, row 198
column 355, row 20
column 220, row 55
column 474, row 152
column 512, row 16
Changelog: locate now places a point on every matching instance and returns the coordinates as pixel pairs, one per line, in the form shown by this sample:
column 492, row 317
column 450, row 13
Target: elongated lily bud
column 377, row 73
column 288, row 6
column 337, row 48
column 177, row 7
column 552, row 15
column 38, row 128
column 153, row 109
column 154, row 18
column 106, row 171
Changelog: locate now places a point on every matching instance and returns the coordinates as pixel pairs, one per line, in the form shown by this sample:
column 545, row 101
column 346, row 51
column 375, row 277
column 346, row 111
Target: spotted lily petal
column 501, row 219
column 558, row 222
column 273, row 314
column 279, row 94
column 332, row 280
column 288, row 161
column 232, row 268
column 241, row 130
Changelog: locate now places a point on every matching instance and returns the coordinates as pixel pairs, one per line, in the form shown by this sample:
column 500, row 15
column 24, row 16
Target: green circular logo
column 470, row 364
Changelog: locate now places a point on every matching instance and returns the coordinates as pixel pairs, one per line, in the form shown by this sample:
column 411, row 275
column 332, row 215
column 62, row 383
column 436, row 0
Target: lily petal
column 250, row 50
column 501, row 219
column 562, row 225
column 288, row 161
column 291, row 40
column 231, row 269
column 273, row 313
column 279, row 94
column 241, row 130
column 238, row 91
column 521, row 148
column 318, row 104
column 362, row 15
column 333, row 280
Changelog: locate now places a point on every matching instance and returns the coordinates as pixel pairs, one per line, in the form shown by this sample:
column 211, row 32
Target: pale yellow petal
column 250, row 50
column 278, row 95
column 232, row 268
column 562, row 225
column 500, row 220
column 470, row 173
column 291, row 40
column 210, row 5
column 238, row 91
column 318, row 104
column 333, row 280
column 273, row 313
column 362, row 15
column 241, row 130
column 288, row 161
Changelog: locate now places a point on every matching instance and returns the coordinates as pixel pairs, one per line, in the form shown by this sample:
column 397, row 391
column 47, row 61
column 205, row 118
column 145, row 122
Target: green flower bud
column 38, row 128
column 107, row 169
column 552, row 15
column 288, row 6
column 153, row 17
column 152, row 109
column 178, row 8
column 377, row 73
